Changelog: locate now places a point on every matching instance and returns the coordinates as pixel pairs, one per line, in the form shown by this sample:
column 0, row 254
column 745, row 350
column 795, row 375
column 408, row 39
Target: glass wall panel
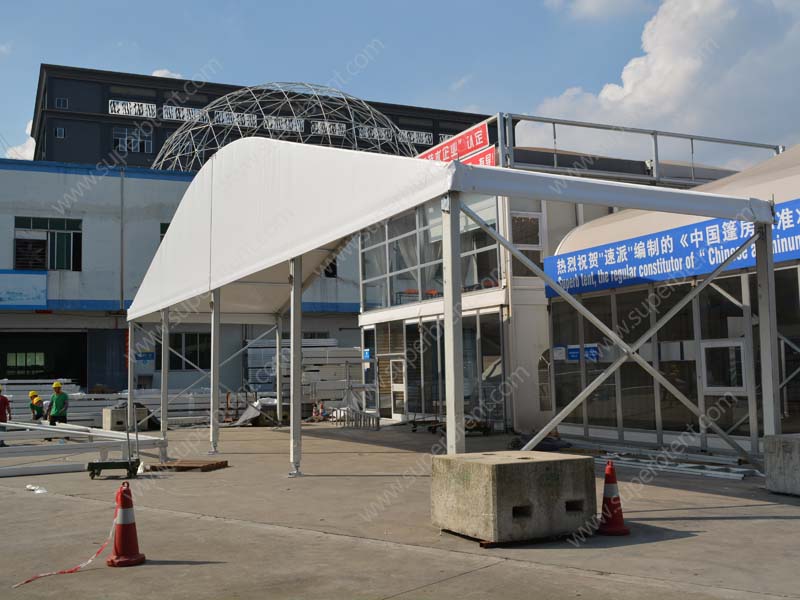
column 431, row 213
column 404, row 288
column 373, row 262
column 404, row 223
column 414, row 350
column 638, row 407
column 431, row 375
column 432, row 281
column 566, row 365
column 403, row 253
column 787, row 302
column 471, row 379
column 545, row 398
column 369, row 350
column 721, row 318
column 602, row 404
column 677, row 357
column 479, row 271
column 373, row 235
column 638, row 396
column 431, row 244
column 491, row 367
column 375, row 294
column 525, row 229
column 520, row 270
column 415, row 253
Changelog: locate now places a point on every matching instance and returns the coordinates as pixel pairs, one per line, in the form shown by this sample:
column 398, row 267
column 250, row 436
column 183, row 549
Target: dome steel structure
column 297, row 112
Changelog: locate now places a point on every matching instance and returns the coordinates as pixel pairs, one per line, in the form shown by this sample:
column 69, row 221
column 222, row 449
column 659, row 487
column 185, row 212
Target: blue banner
column 672, row 254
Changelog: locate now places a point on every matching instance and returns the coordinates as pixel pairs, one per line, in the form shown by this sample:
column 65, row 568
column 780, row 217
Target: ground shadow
column 161, row 562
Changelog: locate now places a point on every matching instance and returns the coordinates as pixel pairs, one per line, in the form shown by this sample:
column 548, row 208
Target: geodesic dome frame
column 296, row 112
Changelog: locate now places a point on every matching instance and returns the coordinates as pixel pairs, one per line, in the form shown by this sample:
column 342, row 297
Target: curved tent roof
column 260, row 202
column 777, row 178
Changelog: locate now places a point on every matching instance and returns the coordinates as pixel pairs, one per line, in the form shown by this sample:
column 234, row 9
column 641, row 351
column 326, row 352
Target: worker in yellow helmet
column 59, row 404
column 36, row 406
column 5, row 413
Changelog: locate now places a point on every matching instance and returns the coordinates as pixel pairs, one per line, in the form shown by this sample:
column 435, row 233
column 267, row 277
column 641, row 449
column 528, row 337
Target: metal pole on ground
column 278, row 369
column 215, row 331
column 131, row 384
column 453, row 340
column 164, row 380
column 768, row 332
column 296, row 344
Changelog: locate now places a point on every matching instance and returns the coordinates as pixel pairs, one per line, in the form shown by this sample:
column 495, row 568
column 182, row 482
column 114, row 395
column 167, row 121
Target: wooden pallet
column 188, row 465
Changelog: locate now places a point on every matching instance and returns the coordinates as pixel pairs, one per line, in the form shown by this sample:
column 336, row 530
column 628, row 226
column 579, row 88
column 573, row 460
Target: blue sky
column 717, row 67
column 428, row 53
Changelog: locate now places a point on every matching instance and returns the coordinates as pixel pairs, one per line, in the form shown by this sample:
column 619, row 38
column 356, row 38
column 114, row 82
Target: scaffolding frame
column 762, row 238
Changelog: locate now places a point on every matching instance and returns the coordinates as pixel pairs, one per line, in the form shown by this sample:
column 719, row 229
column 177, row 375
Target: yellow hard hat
column 32, row 394
column 56, row 384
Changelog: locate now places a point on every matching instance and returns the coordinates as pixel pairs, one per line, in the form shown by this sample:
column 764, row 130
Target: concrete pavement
column 358, row 526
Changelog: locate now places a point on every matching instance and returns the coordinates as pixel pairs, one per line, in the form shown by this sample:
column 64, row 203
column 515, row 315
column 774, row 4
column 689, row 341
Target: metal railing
column 506, row 123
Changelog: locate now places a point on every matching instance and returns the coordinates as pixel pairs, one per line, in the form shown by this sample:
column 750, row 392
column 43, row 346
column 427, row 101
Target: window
column 60, row 133
column 132, row 139
column 331, row 269
column 25, row 364
column 164, row 227
column 48, row 244
column 195, row 347
column 62, row 103
column 526, row 235
column 723, row 367
column 401, row 259
column 316, row 335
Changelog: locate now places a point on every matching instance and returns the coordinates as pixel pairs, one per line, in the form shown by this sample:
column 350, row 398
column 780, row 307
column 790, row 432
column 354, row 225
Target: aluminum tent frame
column 262, row 217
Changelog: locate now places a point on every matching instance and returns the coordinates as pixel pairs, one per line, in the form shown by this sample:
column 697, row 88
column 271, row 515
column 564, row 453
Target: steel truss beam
column 205, row 374
column 629, row 351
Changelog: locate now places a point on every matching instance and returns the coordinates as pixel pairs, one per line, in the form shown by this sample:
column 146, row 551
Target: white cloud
column 166, row 73
column 5, row 49
column 459, row 83
column 714, row 67
column 598, row 9
column 25, row 150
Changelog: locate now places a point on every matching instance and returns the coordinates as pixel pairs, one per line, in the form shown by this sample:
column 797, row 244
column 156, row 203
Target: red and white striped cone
column 611, row 520
column 126, row 542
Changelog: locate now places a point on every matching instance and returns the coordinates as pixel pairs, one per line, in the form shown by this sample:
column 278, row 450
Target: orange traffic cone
column 611, row 519
column 126, row 543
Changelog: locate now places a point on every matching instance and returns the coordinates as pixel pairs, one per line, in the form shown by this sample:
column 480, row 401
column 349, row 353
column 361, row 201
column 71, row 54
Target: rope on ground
column 76, row 568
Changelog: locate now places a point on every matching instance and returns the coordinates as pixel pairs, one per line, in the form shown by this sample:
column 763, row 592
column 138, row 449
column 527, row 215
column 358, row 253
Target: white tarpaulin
column 260, row 202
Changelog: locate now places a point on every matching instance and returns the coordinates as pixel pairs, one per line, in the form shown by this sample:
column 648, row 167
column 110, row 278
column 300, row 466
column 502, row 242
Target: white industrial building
column 78, row 243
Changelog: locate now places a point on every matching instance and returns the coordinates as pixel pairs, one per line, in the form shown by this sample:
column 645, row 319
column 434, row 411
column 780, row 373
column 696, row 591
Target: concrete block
column 782, row 463
column 512, row 496
column 116, row 419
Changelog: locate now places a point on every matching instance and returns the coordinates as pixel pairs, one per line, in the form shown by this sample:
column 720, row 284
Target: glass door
column 397, row 372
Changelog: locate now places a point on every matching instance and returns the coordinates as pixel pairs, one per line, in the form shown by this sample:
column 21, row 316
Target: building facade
column 88, row 116
column 506, row 320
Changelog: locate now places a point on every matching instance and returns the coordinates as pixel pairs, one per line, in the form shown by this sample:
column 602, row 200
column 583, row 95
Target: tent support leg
column 296, row 344
column 164, row 382
column 131, row 384
column 278, row 369
column 453, row 340
column 215, row 332
column 768, row 332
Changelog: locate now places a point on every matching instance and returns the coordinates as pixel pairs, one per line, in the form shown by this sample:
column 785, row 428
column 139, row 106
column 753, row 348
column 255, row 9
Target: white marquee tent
column 262, row 209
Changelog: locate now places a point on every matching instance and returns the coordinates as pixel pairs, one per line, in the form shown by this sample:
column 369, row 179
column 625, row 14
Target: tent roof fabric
column 260, row 202
column 777, row 178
